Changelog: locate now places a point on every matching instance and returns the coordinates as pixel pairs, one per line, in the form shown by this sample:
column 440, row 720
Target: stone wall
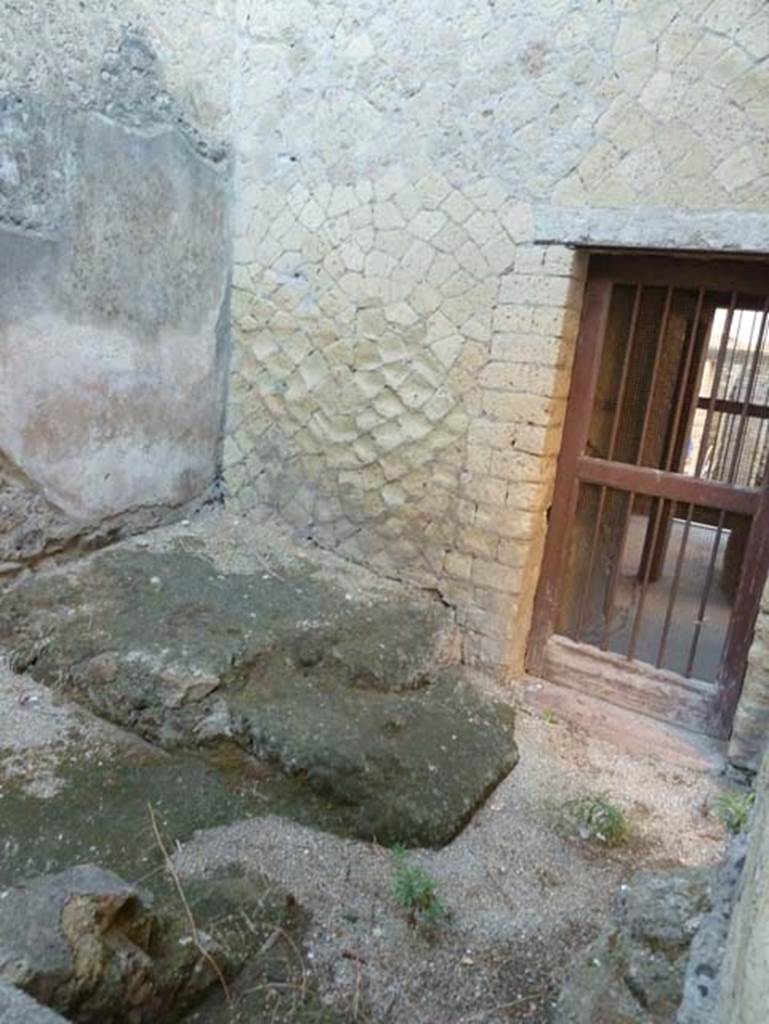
column 750, row 734
column 744, row 983
column 408, row 178
column 114, row 266
column 407, row 188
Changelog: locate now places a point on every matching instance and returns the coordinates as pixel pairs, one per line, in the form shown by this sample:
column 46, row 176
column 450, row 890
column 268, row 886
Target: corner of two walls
column 402, row 344
column 402, row 353
column 114, row 262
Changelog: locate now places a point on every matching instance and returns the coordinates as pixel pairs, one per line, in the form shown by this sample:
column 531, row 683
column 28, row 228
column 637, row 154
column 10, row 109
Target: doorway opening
column 656, row 551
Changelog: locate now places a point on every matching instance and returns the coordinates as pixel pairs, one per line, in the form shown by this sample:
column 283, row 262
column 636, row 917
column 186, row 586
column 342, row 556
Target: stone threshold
column 628, row 730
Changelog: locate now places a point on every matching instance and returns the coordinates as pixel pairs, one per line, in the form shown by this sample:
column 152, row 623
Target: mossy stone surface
column 335, row 710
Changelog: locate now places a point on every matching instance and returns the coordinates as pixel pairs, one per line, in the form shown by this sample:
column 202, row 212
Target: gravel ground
column 521, row 894
column 38, row 729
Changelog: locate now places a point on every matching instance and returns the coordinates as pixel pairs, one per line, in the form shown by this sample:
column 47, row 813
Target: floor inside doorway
column 701, row 543
column 700, row 574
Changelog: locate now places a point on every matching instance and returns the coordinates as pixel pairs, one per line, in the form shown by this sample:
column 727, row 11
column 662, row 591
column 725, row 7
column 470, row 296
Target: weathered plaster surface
column 408, row 180
column 114, row 264
column 404, row 307
column 745, row 970
column 750, row 735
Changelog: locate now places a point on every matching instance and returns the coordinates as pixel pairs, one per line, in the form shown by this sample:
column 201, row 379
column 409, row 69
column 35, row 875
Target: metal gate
column 658, row 539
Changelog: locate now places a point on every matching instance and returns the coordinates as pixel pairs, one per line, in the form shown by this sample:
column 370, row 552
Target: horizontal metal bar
column 675, row 486
column 734, row 408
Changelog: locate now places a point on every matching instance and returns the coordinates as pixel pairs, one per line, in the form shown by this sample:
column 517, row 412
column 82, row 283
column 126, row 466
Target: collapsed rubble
column 99, row 950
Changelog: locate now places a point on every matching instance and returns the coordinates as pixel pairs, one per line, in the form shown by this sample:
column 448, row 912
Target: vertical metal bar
column 675, row 583
column 647, row 413
column 631, row 494
column 758, row 448
column 655, row 372
column 722, row 515
column 702, row 360
column 609, row 455
column 720, row 456
column 657, row 514
column 700, row 620
column 625, row 369
column 698, row 465
column 763, row 429
column 672, row 448
column 720, row 358
column 761, row 439
column 615, row 571
column 759, row 351
column 743, row 618
column 590, row 562
column 679, row 398
column 762, row 450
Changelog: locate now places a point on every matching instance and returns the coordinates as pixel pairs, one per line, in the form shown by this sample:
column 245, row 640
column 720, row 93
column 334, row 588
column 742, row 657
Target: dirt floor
column 521, row 892
column 522, row 895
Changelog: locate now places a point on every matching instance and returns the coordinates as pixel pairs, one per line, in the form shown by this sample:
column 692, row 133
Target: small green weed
column 733, row 810
column 597, row 819
column 549, row 716
column 415, row 891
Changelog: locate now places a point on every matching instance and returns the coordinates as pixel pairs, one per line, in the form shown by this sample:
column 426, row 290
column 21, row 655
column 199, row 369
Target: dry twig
column 207, row 956
column 484, row 1014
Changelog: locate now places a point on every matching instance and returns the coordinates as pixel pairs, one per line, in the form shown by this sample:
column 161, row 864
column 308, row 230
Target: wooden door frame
column 587, row 357
column 604, row 272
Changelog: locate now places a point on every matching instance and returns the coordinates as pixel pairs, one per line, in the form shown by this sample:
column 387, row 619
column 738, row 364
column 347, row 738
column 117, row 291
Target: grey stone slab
column 654, row 228
column 349, row 698
column 17, row 1008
